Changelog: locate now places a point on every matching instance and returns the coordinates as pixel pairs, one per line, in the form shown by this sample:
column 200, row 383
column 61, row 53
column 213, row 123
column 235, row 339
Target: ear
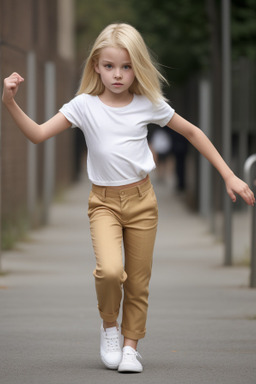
column 96, row 67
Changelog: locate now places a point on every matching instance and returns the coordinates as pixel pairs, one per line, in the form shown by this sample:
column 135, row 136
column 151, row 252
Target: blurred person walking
column 160, row 143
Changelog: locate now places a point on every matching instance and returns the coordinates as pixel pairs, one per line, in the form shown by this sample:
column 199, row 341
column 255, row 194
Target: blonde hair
column 148, row 79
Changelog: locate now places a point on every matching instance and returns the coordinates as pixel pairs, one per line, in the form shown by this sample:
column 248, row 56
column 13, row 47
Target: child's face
column 115, row 69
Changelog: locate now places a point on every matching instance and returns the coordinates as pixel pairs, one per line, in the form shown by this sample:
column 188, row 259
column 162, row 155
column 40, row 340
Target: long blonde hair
column 148, row 79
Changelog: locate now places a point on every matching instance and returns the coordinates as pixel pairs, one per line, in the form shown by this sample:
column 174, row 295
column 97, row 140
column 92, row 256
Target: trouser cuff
column 133, row 335
column 109, row 317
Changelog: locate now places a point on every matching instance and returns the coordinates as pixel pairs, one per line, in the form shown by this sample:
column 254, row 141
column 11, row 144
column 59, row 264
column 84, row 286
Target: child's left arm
column 200, row 141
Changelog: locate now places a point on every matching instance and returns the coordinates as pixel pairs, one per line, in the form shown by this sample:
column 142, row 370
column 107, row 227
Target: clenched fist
column 11, row 86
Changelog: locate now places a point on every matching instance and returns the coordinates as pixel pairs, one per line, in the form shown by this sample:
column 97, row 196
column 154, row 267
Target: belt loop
column 139, row 191
column 104, row 194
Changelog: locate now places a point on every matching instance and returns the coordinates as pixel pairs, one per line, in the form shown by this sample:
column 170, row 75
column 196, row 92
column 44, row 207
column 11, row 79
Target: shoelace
column 112, row 342
column 136, row 354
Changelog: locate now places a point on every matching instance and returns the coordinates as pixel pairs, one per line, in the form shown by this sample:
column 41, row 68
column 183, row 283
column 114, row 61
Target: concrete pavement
column 202, row 316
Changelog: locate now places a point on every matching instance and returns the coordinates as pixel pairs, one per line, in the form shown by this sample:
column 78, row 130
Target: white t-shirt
column 116, row 138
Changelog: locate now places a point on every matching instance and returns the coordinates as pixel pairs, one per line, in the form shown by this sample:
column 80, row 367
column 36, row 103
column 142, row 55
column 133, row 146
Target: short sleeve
column 73, row 111
column 162, row 113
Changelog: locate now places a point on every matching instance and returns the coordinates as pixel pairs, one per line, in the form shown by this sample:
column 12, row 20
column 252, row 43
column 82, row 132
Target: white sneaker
column 110, row 347
column 130, row 362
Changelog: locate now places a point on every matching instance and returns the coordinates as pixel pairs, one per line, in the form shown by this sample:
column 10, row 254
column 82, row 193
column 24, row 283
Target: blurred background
column 47, row 42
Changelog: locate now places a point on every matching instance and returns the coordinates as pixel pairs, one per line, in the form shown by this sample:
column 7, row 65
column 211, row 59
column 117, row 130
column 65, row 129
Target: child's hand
column 11, row 86
column 236, row 185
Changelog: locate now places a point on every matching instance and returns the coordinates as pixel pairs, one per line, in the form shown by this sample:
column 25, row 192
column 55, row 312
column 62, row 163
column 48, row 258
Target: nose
column 117, row 74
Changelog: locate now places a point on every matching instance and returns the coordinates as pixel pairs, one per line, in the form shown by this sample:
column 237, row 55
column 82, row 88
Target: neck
column 116, row 100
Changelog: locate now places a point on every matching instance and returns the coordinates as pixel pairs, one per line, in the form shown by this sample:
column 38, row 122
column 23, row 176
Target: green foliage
column 244, row 28
column 14, row 230
column 175, row 31
column 178, row 32
column 93, row 16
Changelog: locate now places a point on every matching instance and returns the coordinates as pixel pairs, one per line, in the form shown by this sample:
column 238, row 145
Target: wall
column 31, row 40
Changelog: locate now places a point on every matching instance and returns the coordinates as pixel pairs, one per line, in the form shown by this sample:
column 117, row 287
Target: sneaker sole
column 108, row 365
column 130, row 369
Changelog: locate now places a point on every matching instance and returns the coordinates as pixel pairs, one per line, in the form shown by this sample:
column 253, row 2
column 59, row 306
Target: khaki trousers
column 123, row 217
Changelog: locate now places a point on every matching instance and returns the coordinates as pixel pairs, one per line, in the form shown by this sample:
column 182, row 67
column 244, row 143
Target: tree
column 177, row 32
column 243, row 28
column 181, row 33
column 93, row 16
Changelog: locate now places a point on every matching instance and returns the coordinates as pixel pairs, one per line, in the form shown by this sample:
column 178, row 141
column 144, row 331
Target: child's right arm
column 33, row 131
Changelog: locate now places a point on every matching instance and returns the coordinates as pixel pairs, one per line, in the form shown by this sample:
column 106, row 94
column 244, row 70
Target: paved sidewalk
column 202, row 316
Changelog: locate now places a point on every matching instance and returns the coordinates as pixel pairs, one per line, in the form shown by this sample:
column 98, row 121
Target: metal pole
column 248, row 178
column 205, row 185
column 226, row 122
column 32, row 148
column 0, row 162
column 253, row 250
column 49, row 146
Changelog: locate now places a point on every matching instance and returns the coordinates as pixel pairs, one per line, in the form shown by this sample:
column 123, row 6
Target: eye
column 127, row 66
column 108, row 66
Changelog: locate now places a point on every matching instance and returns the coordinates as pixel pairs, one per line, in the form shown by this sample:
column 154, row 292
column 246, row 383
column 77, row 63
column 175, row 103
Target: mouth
column 117, row 84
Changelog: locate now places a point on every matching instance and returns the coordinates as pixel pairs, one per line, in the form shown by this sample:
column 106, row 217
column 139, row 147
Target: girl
column 119, row 95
